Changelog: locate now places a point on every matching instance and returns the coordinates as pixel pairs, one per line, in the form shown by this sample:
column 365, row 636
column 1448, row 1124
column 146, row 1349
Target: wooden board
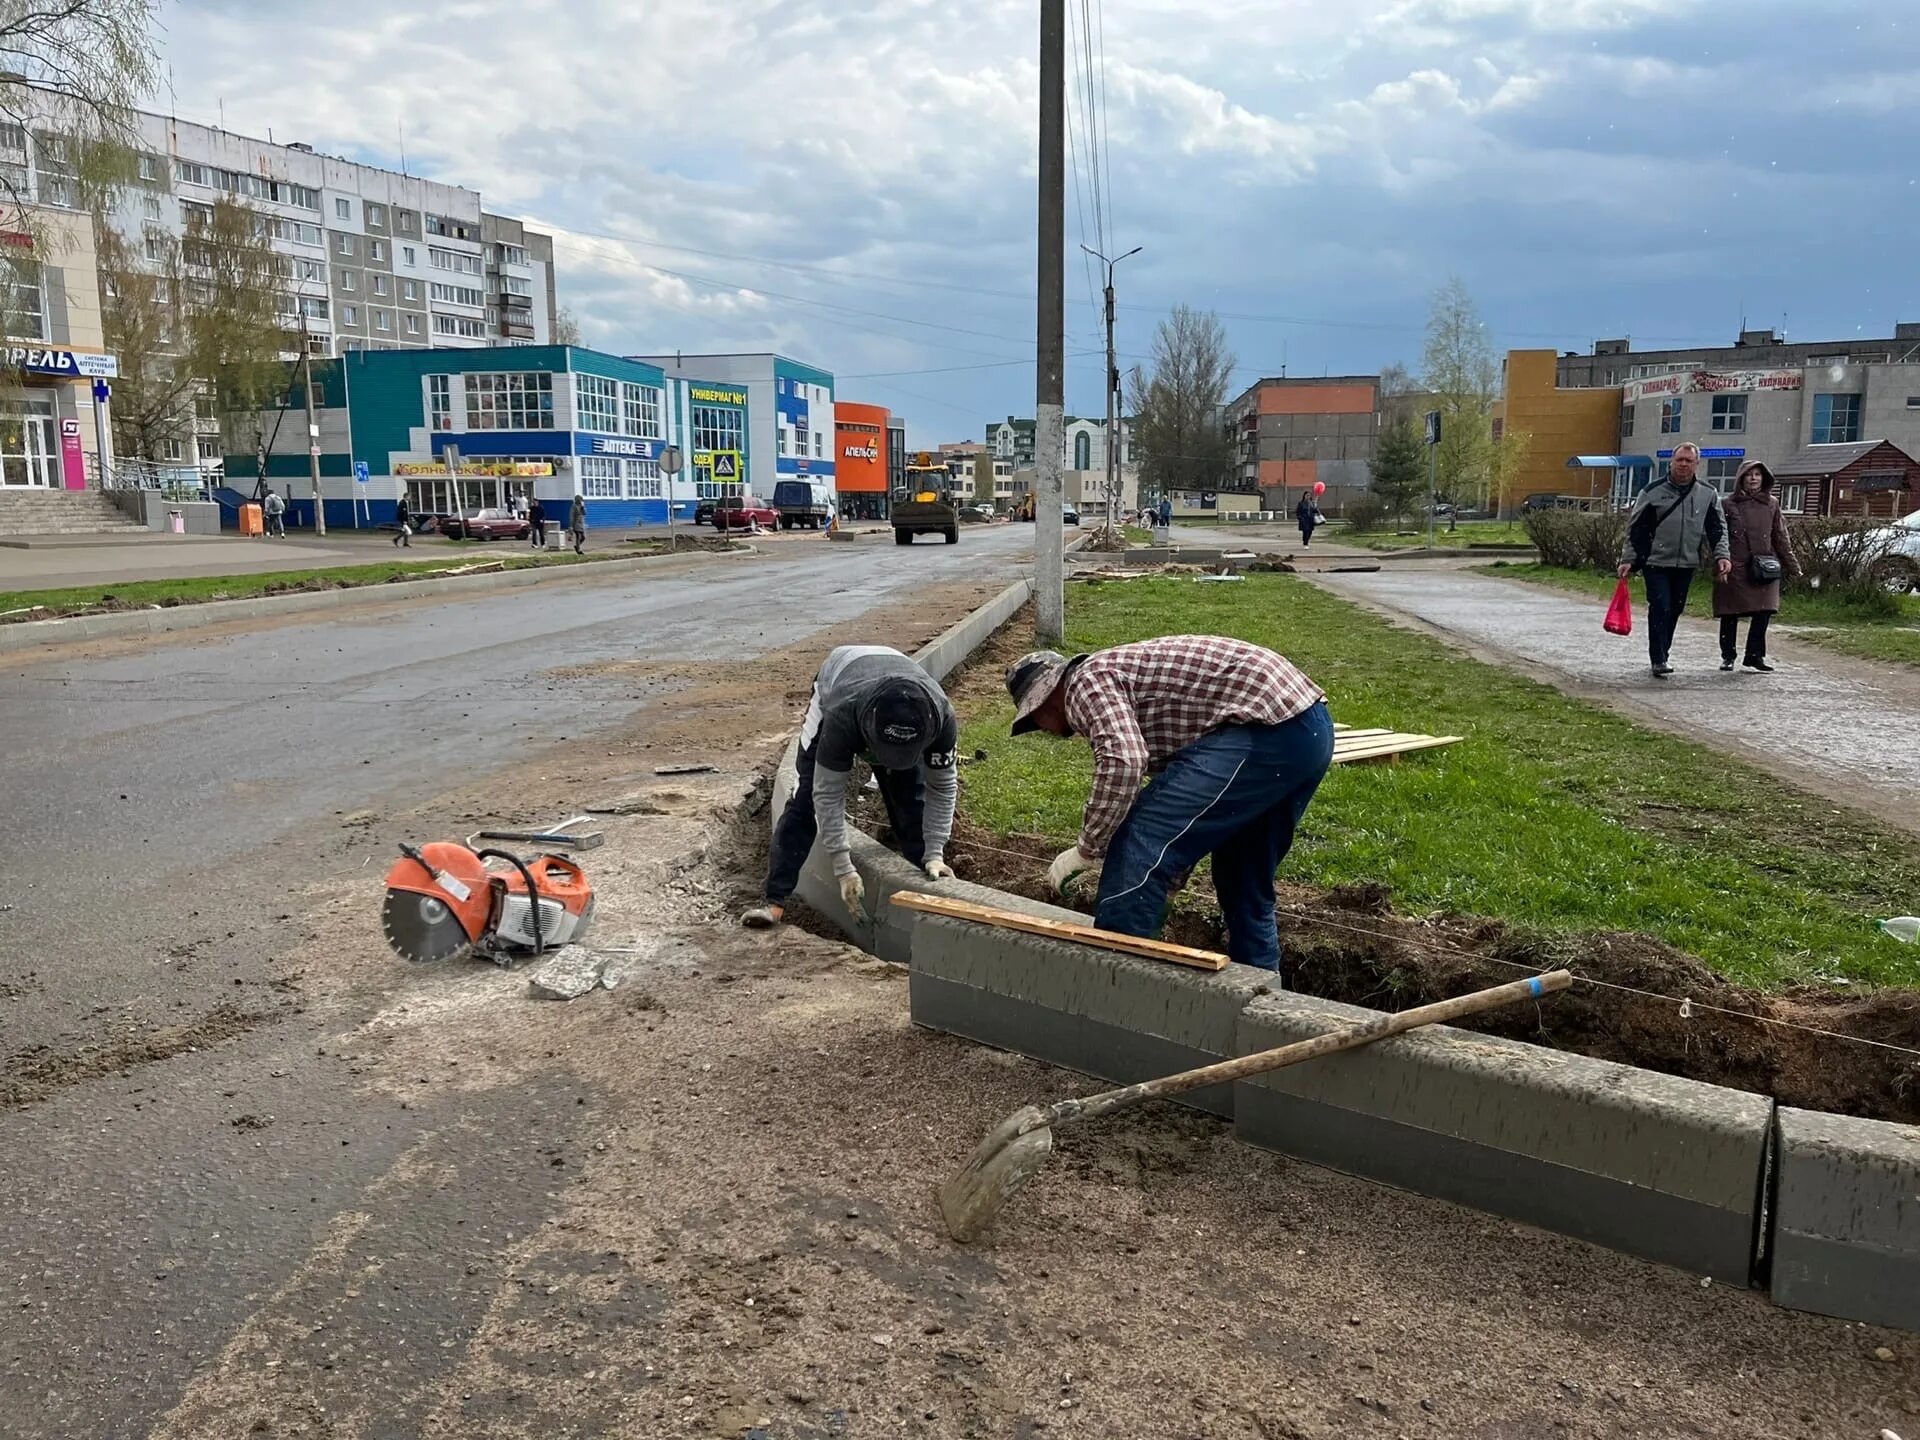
column 1385, row 747
column 1061, row 930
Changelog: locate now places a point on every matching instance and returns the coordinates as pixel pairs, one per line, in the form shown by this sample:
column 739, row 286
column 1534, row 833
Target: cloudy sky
column 851, row 181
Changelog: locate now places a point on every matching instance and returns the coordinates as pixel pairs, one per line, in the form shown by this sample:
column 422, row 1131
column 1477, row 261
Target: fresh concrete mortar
column 1846, row 1217
column 1102, row 1013
column 160, row 621
column 1657, row 1166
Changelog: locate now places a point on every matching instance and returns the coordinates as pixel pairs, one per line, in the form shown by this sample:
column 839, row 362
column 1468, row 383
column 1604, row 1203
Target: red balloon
column 1319, row 487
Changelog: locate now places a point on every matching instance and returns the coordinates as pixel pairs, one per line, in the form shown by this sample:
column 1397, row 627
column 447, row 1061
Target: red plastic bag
column 1619, row 619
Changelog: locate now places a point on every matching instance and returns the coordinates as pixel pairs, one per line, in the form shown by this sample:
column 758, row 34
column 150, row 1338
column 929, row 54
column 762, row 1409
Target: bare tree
column 1458, row 368
column 1176, row 425
column 566, row 326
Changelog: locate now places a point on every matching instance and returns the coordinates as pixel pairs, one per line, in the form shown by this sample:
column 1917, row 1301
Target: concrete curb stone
column 1846, row 1223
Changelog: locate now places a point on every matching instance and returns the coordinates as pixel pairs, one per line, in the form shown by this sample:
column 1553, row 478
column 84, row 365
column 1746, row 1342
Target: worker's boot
column 763, row 917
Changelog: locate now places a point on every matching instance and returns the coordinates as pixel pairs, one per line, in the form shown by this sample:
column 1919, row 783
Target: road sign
column 360, row 472
column 1433, row 427
column 670, row 460
column 451, row 454
column 726, row 464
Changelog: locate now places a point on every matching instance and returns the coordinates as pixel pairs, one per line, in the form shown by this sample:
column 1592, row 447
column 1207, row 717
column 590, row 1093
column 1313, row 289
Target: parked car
column 977, row 512
column 744, row 511
column 703, row 512
column 485, row 525
column 1069, row 515
column 803, row 503
column 1891, row 552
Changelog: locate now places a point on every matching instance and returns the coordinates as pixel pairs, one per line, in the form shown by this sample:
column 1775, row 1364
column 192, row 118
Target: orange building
column 860, row 455
column 1558, row 424
column 1290, row 433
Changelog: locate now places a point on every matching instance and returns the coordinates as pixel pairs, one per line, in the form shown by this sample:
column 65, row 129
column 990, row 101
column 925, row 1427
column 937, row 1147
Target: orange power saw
column 444, row 903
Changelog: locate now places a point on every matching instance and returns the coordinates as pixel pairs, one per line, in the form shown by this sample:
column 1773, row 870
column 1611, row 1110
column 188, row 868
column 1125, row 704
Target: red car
column 486, row 525
column 740, row 514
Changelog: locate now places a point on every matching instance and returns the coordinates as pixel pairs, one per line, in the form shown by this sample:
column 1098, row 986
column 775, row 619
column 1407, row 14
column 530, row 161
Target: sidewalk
column 1827, row 723
column 110, row 559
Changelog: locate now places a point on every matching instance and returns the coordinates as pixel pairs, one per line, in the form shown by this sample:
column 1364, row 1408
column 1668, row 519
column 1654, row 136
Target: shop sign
column 861, row 452
column 1708, row 382
column 614, row 445
column 505, row 469
column 717, row 397
column 74, row 363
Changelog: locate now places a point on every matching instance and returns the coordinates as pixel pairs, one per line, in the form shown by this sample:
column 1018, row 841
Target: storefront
column 53, row 421
column 860, row 478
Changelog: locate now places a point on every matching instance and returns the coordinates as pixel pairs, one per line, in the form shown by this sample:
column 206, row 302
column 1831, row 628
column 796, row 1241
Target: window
column 349, row 314
column 156, row 244
column 781, row 433
column 457, row 294
column 379, row 284
column 343, row 209
column 1670, row 416
column 383, row 320
column 315, row 307
column 599, row 477
column 640, row 410
column 1720, row 472
column 513, row 255
column 1836, row 419
column 188, row 173
column 345, row 246
column 598, row 404
column 439, row 400
column 1083, row 451
column 413, row 324
column 377, row 215
column 349, row 280
column 516, row 285
column 715, row 427
column 455, row 260
column 26, row 316
column 1626, row 422
column 407, row 254
column 503, row 400
column 170, row 448
column 296, row 232
column 1793, row 499
column 643, row 480
column 819, row 444
column 409, row 289
column 310, row 270
column 247, row 185
column 150, row 206
column 53, row 156
column 377, row 249
column 406, row 226
column 456, row 325
column 1730, row 412
column 153, row 169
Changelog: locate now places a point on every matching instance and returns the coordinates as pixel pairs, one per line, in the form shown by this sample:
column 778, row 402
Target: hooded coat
column 1754, row 527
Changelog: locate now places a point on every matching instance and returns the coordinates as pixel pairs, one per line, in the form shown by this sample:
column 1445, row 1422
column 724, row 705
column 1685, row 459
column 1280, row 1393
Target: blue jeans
column 1667, row 587
column 1236, row 794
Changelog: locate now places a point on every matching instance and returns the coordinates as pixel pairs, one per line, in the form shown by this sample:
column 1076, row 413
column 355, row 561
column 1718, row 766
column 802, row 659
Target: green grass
column 1470, row 532
column 1832, row 624
column 195, row 590
column 1553, row 814
column 1135, row 535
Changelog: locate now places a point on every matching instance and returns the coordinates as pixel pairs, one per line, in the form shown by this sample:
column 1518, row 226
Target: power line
column 1106, row 127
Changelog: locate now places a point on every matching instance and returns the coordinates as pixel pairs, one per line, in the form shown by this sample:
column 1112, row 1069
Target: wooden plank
column 1398, row 745
column 1342, row 737
column 1061, row 930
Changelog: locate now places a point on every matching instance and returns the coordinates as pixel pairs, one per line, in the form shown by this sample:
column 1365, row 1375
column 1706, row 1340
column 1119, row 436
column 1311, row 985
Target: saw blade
column 420, row 927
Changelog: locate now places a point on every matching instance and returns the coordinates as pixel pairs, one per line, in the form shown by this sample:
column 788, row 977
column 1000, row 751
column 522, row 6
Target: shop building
column 790, row 408
column 896, row 454
column 546, row 421
column 1559, row 421
column 861, row 473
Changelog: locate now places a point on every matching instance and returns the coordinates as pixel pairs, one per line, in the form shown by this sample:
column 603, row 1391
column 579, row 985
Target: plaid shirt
column 1139, row 704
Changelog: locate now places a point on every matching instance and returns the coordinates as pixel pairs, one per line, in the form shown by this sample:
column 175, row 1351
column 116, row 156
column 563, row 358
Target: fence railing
column 176, row 477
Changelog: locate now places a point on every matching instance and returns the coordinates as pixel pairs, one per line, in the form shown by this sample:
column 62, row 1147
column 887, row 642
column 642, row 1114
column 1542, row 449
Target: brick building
column 1290, row 433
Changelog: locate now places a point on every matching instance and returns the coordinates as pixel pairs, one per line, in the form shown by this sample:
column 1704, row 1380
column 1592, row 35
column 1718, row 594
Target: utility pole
column 313, row 432
column 1433, row 468
column 1113, row 388
column 1050, row 384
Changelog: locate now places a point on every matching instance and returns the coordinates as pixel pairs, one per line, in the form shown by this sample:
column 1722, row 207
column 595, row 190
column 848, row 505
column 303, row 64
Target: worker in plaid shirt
column 1236, row 739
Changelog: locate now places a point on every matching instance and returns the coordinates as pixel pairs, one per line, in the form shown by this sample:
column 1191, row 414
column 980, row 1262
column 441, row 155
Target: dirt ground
column 724, row 1226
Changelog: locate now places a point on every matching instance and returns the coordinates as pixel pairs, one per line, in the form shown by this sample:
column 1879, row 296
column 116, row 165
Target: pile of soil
column 684, row 543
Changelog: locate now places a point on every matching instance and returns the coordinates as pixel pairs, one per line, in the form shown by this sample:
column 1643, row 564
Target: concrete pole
column 1050, row 386
column 313, row 437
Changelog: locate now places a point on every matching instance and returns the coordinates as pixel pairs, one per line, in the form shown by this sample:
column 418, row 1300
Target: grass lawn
column 1554, row 814
column 1470, row 532
column 1136, row 535
column 1831, row 624
column 194, row 590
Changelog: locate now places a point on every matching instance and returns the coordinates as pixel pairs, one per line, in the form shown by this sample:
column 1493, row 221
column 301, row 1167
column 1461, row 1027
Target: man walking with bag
column 1674, row 523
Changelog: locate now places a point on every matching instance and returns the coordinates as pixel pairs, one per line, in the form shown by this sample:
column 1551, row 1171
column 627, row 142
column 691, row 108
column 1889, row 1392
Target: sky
column 853, row 182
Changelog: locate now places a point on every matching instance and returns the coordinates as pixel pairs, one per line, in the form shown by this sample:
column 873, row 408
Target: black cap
column 897, row 726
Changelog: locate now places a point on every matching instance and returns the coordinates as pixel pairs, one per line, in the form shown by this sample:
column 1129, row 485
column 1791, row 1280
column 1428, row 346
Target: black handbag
column 1763, row 569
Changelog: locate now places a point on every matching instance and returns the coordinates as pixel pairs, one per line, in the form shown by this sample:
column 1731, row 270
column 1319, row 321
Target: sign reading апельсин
column 36, row 360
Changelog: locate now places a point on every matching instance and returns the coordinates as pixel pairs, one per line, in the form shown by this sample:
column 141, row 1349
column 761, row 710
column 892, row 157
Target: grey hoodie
column 1690, row 523
column 846, row 685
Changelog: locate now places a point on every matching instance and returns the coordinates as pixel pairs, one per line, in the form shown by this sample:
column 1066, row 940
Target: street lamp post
column 1113, row 387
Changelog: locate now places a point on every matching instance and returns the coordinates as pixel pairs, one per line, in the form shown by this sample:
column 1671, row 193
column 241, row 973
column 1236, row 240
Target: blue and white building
column 789, row 406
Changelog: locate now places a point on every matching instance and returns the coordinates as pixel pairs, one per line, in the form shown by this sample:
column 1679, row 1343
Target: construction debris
column 574, row 971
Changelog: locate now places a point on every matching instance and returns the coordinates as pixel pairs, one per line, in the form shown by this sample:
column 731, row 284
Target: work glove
column 852, row 891
column 1068, row 867
column 939, row 870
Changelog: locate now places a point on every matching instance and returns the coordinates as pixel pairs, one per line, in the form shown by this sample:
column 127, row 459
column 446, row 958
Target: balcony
column 513, row 302
column 516, row 326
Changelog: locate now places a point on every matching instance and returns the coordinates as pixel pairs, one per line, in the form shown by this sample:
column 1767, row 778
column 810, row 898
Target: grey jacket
column 1673, row 526
column 847, row 682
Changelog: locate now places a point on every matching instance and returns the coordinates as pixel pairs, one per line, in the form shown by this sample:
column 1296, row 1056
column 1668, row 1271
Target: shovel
column 1019, row 1145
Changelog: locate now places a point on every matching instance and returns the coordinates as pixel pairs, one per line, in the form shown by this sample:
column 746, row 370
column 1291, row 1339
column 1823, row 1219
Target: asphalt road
column 169, row 806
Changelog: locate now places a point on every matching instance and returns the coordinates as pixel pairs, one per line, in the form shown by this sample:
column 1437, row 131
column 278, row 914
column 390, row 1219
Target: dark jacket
column 401, row 512
column 1754, row 527
column 1675, row 527
column 536, row 513
column 1305, row 512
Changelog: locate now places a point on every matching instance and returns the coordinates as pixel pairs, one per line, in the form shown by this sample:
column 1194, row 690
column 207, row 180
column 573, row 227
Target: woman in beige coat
column 1762, row 557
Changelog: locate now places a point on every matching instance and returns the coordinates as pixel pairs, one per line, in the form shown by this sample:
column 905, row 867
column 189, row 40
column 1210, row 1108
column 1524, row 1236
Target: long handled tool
column 1019, row 1145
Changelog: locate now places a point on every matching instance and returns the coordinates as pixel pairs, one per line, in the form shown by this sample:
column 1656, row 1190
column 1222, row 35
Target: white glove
column 852, row 891
column 1070, row 866
column 939, row 870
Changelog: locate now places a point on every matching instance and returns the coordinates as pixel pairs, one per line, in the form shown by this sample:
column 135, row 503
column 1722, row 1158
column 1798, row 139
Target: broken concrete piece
column 571, row 973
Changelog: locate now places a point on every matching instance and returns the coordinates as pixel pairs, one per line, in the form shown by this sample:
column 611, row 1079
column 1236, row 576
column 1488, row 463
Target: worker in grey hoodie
column 1674, row 524
column 871, row 702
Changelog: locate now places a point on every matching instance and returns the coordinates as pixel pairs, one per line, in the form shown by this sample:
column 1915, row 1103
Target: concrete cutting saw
column 445, row 902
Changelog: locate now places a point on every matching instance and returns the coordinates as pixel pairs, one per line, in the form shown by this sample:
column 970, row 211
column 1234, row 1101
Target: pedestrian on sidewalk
column 1761, row 556
column 1166, row 512
column 874, row 703
column 1308, row 514
column 537, row 524
column 1237, row 740
column 1675, row 523
column 275, row 509
column 577, row 524
column 404, row 514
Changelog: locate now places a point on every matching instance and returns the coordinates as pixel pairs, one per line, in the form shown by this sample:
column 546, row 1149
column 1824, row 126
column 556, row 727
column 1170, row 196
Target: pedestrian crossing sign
column 726, row 464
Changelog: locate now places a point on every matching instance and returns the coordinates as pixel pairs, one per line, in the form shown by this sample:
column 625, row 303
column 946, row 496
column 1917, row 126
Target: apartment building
column 1083, row 442
column 1291, row 433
